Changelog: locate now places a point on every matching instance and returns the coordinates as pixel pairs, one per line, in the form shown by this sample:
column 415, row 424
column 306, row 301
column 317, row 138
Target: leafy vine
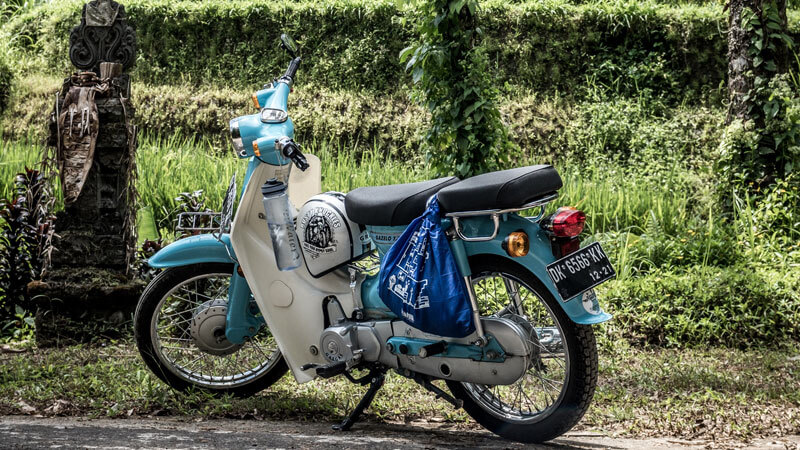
column 453, row 81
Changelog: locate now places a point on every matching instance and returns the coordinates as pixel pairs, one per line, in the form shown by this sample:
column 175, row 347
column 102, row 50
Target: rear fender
column 539, row 256
column 203, row 248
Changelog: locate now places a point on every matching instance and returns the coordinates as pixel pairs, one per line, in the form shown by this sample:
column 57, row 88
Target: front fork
column 243, row 320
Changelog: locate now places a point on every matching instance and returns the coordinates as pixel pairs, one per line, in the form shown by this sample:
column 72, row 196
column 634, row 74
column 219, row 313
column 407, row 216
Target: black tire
column 581, row 378
column 158, row 289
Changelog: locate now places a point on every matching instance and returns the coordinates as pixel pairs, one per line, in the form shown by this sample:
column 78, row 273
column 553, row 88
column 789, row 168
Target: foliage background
column 627, row 98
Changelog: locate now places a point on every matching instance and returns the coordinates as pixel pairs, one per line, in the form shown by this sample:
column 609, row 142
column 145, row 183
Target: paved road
column 19, row 432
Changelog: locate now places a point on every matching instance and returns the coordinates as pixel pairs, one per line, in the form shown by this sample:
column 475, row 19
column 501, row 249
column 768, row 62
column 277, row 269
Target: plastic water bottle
column 281, row 225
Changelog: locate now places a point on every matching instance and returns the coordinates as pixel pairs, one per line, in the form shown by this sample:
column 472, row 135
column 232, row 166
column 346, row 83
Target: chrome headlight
column 271, row 115
column 236, row 136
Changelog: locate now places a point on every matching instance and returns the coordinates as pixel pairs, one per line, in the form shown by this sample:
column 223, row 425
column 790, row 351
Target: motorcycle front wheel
column 555, row 392
column 179, row 327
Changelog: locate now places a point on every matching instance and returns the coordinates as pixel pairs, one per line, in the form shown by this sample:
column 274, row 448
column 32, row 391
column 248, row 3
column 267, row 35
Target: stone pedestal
column 88, row 292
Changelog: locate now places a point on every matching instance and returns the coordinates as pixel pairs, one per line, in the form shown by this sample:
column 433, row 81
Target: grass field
column 704, row 394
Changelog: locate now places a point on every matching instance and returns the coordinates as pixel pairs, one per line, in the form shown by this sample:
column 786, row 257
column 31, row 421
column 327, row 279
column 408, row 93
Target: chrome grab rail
column 496, row 213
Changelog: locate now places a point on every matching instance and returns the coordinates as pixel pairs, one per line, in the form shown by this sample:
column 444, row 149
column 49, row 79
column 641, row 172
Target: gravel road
column 18, row 432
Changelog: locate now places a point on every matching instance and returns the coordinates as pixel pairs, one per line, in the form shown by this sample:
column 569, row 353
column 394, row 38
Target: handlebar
column 291, row 150
column 292, row 70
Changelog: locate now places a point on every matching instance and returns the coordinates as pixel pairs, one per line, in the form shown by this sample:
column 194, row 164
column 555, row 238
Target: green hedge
column 546, row 130
column 734, row 306
column 354, row 44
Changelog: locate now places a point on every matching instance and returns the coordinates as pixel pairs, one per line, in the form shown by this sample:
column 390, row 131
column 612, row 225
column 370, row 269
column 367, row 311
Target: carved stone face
column 100, row 13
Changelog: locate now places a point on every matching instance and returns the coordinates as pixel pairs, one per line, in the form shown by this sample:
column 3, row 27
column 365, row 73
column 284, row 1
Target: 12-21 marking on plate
column 580, row 271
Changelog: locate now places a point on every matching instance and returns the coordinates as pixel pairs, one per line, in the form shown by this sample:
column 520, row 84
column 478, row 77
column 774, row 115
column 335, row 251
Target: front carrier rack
column 496, row 214
column 216, row 223
column 198, row 222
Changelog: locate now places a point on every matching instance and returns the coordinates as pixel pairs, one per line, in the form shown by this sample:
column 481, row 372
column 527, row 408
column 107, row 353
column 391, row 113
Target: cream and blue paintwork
column 281, row 296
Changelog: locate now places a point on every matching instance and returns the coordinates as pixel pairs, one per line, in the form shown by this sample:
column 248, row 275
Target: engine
column 510, row 352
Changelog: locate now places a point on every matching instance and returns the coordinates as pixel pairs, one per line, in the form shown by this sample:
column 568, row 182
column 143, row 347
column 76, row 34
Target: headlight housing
column 236, row 136
column 271, row 115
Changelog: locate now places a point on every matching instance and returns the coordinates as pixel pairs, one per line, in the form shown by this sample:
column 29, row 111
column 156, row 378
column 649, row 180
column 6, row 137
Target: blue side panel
column 374, row 308
column 203, row 248
column 539, row 256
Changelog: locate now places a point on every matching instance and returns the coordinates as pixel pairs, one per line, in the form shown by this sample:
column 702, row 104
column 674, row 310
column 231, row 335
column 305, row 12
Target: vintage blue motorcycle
column 290, row 282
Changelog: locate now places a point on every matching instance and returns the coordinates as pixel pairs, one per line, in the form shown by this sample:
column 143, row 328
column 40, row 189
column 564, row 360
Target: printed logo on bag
column 403, row 285
column 319, row 224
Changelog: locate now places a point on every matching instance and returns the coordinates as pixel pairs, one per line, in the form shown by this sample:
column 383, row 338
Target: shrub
column 738, row 306
column 6, row 81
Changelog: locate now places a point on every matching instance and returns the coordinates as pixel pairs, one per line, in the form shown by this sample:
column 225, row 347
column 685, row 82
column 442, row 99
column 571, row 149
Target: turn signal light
column 255, row 101
column 566, row 222
column 255, row 149
column 517, row 244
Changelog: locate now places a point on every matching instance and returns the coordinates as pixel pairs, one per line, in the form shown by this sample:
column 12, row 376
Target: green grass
column 709, row 394
column 168, row 166
column 681, row 267
column 14, row 157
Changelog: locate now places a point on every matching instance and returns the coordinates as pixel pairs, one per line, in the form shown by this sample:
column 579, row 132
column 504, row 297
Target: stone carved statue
column 103, row 35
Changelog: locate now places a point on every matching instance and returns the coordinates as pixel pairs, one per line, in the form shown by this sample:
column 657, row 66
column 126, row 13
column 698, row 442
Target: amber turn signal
column 255, row 101
column 255, row 149
column 517, row 244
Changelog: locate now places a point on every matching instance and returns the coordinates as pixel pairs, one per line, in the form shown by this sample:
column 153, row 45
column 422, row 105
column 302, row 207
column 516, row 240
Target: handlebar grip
column 292, row 151
column 292, row 70
column 301, row 162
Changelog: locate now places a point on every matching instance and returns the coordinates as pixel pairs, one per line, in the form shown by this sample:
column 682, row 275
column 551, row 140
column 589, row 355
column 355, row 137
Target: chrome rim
column 540, row 390
column 172, row 338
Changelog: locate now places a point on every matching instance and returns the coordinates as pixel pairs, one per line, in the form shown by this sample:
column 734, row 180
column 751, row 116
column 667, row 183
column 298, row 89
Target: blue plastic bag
column 420, row 282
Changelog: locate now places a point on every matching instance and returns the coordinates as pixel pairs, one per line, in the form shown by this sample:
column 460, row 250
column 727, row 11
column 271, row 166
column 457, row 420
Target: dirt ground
column 19, row 432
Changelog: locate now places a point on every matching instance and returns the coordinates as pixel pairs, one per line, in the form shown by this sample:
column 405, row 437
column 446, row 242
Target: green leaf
column 417, row 74
column 456, row 6
column 404, row 53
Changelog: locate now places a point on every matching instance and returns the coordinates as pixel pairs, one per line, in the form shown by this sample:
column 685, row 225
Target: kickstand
column 375, row 383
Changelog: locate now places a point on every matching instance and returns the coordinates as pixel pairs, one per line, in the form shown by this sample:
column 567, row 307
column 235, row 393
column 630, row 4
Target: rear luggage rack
column 496, row 213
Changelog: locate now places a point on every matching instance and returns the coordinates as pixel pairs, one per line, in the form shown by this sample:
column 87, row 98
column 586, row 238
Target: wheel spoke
column 539, row 389
column 172, row 333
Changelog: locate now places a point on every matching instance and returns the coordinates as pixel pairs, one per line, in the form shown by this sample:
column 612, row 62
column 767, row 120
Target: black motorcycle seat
column 392, row 205
column 500, row 190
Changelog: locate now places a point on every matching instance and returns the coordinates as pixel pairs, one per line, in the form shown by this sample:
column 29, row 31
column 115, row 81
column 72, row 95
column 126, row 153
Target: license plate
column 578, row 272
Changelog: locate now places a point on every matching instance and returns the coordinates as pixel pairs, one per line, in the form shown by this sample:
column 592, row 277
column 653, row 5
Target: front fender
column 539, row 256
column 203, row 248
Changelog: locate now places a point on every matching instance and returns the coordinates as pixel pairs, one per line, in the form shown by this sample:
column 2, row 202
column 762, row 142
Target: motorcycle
column 290, row 283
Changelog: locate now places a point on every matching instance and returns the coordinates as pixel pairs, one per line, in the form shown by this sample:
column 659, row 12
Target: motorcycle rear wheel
column 559, row 385
column 178, row 351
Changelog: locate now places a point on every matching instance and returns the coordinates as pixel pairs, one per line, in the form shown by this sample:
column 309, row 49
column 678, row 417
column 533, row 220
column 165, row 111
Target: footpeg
column 328, row 370
column 433, row 349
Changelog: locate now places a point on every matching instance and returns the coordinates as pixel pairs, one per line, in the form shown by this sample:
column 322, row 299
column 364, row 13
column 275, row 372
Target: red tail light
column 566, row 222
